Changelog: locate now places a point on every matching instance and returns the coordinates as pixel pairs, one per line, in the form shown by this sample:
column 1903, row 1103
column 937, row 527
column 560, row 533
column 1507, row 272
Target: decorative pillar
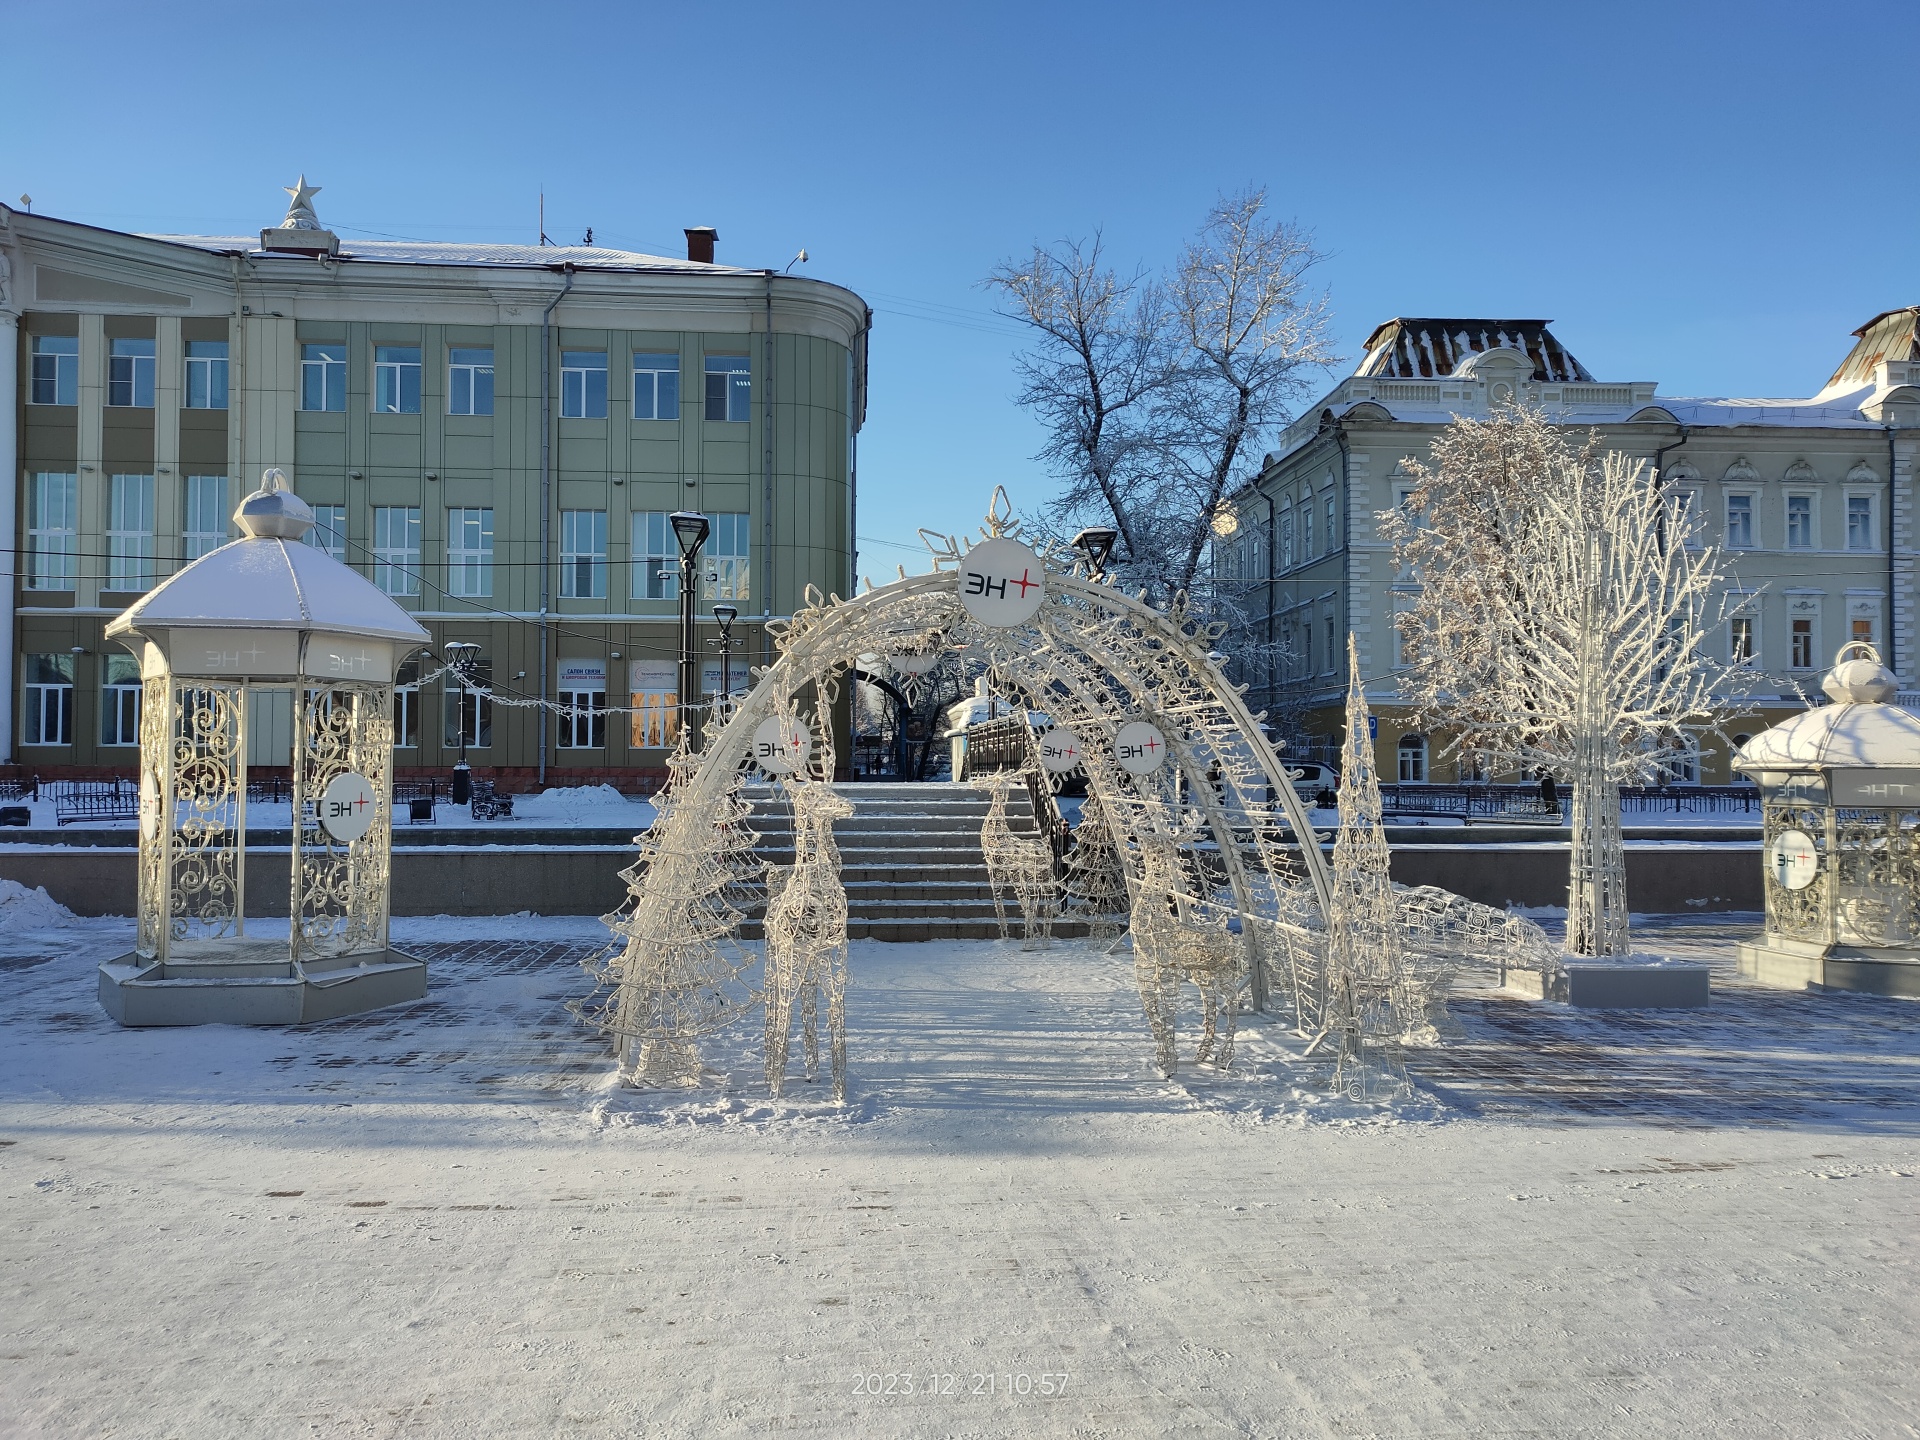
column 9, row 498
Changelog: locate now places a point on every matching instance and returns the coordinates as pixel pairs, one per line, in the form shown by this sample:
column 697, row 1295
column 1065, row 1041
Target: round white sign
column 781, row 744
column 1059, row 750
column 1002, row 583
column 918, row 664
column 1792, row 860
column 1140, row 747
column 348, row 806
column 149, row 807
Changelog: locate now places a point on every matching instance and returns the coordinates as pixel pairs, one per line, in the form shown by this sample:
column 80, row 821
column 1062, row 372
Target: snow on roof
column 1828, row 410
column 270, row 585
column 1870, row 735
column 424, row 252
column 1890, row 335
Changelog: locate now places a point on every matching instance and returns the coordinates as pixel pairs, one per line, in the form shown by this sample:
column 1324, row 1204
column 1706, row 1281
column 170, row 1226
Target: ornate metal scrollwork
column 341, row 887
column 205, row 787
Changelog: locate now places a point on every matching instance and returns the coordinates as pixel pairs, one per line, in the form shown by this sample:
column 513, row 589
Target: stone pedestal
column 1794, row 965
column 253, row 982
column 1604, row 985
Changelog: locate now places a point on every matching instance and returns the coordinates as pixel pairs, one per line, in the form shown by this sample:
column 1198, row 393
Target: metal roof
column 1427, row 349
column 1890, row 335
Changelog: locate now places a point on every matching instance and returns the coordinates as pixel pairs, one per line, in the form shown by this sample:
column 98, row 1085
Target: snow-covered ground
column 442, row 1219
column 565, row 807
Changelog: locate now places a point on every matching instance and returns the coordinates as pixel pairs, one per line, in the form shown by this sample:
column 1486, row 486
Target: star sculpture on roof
column 300, row 215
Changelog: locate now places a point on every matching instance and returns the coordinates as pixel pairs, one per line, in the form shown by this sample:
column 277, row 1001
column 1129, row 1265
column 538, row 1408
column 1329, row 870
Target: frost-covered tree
column 1155, row 392
column 1563, row 607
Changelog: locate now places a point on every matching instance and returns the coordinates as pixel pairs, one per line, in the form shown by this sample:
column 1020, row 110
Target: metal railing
column 1524, row 804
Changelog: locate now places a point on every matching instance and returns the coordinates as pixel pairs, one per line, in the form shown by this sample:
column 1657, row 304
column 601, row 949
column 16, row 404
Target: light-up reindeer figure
column 806, row 929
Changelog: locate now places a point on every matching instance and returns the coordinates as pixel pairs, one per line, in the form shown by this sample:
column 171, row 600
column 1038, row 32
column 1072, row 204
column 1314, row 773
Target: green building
column 494, row 434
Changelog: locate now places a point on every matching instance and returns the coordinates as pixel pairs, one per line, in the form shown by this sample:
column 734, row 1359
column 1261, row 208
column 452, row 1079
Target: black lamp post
column 460, row 655
column 690, row 532
column 1096, row 543
column 724, row 616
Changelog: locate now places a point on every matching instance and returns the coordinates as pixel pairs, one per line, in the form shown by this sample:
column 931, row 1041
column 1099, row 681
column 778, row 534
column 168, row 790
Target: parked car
column 1313, row 782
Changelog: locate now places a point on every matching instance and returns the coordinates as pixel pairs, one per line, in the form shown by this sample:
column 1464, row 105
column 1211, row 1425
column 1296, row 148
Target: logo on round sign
column 149, row 806
column 1140, row 747
column 1060, row 750
column 1002, row 583
column 348, row 806
column 781, row 745
column 918, row 664
column 1793, row 860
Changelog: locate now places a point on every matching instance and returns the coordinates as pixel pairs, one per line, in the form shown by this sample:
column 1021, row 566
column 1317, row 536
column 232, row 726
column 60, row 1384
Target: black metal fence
column 1525, row 804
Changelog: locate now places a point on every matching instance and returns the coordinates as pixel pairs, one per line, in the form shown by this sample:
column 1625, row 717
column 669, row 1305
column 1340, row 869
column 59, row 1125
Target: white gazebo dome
column 1869, row 735
column 268, row 580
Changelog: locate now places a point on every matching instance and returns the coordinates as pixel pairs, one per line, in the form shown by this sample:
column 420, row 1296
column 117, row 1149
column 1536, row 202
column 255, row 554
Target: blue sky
column 1711, row 196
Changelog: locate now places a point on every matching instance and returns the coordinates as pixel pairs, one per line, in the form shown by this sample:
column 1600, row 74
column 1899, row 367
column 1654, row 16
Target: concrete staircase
column 910, row 860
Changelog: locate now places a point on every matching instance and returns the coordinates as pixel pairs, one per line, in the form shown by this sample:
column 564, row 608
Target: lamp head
column 690, row 529
column 1096, row 543
column 726, row 615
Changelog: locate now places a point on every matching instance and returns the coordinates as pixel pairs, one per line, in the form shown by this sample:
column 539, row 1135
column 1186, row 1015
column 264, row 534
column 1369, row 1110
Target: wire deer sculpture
column 1177, row 938
column 1020, row 863
column 806, row 929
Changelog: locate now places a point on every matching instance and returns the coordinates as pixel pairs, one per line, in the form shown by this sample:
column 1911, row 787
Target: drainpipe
column 1893, row 602
column 1660, row 454
column 546, row 506
column 1273, row 562
column 9, row 499
column 1346, row 538
column 766, row 483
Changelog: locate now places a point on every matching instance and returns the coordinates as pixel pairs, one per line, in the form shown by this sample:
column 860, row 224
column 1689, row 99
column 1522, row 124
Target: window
column 130, row 533
column 1286, row 541
column 323, row 377
column 1333, row 527
column 469, row 381
column 130, row 373
column 1332, row 646
column 583, row 690
column 206, row 524
column 1306, row 529
column 583, row 554
column 1803, row 644
column 1860, row 522
column 396, row 549
column 406, row 707
column 49, row 700
column 729, row 387
column 1740, row 521
column 725, row 556
column 1682, row 765
column 1685, row 517
column 56, row 370
column 583, row 385
column 52, row 539
column 206, row 374
column 1413, row 759
column 656, row 387
column 656, row 558
column 396, row 379
column 1862, row 629
column 468, row 711
column 470, row 553
column 1740, row 640
column 1799, row 522
column 120, row 702
column 329, row 532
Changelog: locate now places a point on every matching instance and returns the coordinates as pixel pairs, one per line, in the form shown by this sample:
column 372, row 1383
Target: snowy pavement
column 441, row 1220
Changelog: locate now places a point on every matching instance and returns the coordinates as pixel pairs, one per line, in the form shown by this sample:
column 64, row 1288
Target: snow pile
column 22, row 909
column 598, row 805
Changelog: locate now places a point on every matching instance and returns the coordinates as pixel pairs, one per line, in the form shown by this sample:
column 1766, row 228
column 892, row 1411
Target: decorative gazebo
column 1840, row 795
column 264, row 613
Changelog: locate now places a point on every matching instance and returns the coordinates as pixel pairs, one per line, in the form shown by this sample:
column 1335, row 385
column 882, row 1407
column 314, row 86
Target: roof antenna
column 27, row 200
column 587, row 239
column 543, row 216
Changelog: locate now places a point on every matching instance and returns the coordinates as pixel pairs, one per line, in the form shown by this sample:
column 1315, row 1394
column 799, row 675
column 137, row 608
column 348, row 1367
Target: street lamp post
column 690, row 532
column 460, row 655
column 724, row 616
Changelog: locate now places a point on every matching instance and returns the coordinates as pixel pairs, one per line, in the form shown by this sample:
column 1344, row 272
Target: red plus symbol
column 361, row 802
column 1153, row 744
column 1025, row 584
column 1071, row 752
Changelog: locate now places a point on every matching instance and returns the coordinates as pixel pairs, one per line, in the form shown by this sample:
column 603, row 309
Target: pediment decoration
column 1801, row 473
column 1863, row 474
column 1741, row 473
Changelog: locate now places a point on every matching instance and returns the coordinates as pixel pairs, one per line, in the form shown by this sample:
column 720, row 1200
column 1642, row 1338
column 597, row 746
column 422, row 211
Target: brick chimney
column 700, row 240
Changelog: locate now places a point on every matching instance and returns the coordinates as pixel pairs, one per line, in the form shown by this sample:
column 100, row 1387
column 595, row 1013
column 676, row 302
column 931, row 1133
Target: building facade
column 1812, row 498
column 494, row 434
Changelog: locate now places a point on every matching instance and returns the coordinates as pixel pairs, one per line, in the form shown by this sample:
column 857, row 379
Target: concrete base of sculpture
column 254, row 982
column 1604, row 985
column 1796, row 964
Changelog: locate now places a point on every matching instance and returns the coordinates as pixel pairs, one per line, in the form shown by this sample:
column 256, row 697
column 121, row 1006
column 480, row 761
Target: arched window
column 1741, row 777
column 1413, row 759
